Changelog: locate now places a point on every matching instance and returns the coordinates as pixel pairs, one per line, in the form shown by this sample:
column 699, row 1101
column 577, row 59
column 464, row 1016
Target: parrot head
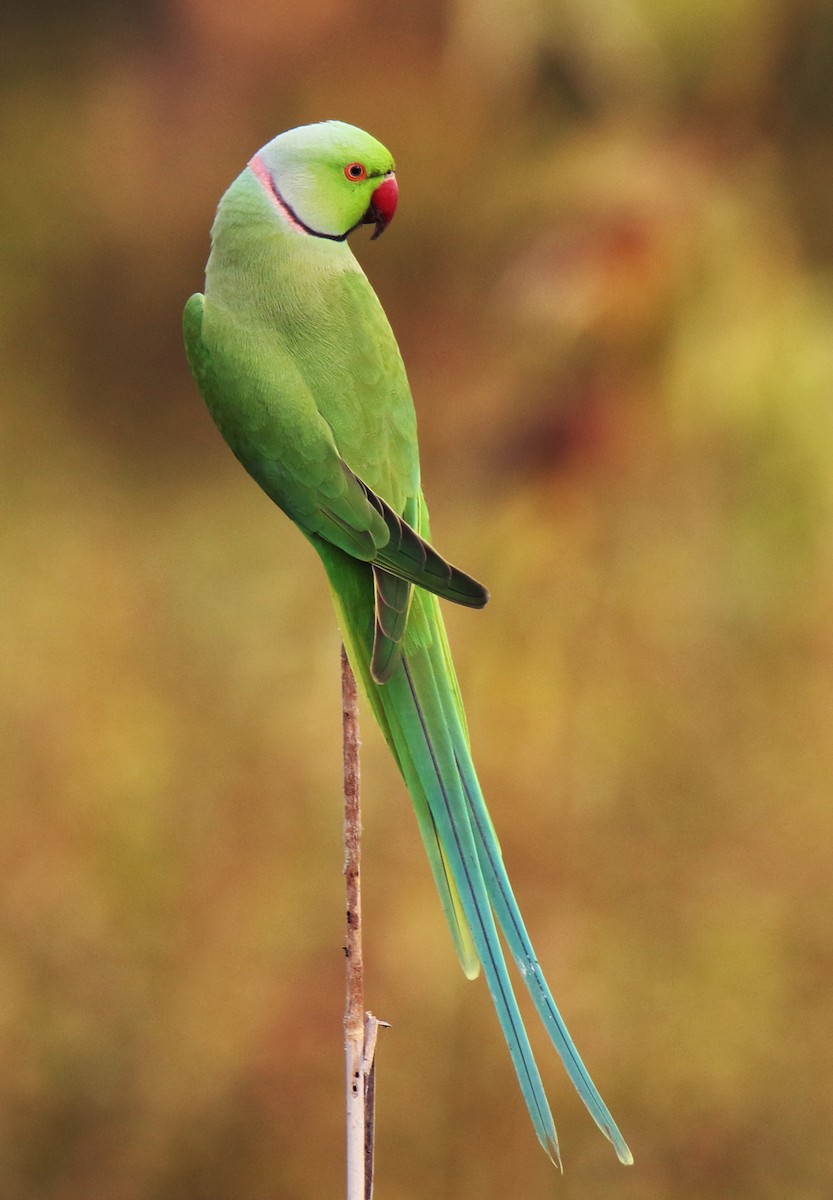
column 328, row 179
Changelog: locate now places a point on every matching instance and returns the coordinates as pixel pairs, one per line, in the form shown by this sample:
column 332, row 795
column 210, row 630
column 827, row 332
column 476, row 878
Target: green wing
column 272, row 421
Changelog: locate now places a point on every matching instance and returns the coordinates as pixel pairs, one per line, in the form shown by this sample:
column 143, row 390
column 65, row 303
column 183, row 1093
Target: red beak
column 382, row 205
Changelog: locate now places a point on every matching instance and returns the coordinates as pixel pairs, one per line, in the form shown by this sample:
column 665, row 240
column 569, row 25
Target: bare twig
column 360, row 1028
column 354, row 1007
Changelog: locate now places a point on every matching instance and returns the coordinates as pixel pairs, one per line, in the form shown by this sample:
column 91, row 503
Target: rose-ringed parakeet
column 301, row 372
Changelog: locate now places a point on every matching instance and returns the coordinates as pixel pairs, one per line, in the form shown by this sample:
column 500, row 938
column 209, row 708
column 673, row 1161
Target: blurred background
column 611, row 276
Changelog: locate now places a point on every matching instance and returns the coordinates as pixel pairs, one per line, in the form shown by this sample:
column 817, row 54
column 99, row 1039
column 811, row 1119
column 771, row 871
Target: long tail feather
column 514, row 930
column 430, row 746
column 421, row 716
column 441, row 865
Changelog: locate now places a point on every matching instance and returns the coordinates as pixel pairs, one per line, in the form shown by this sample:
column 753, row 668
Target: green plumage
column 301, row 372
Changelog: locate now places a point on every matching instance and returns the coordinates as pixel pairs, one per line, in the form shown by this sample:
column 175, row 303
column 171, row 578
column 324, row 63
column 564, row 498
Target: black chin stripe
column 259, row 168
column 296, row 220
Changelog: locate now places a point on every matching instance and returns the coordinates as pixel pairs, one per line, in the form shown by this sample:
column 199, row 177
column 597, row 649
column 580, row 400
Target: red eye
column 355, row 172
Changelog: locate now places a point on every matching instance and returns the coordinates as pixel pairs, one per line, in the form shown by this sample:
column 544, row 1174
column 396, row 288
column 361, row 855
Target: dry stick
column 360, row 1028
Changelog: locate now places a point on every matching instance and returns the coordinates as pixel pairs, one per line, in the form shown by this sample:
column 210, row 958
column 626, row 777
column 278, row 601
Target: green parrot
column 300, row 370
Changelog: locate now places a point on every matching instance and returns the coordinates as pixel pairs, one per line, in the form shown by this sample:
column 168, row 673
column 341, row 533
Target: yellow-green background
column 610, row 276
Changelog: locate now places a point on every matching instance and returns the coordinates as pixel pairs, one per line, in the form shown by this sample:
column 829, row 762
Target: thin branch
column 354, row 1006
column 360, row 1028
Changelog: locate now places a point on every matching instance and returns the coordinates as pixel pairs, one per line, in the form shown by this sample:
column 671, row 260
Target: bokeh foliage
column 611, row 280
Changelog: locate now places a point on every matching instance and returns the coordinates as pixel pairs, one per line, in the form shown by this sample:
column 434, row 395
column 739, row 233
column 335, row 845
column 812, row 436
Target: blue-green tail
column 420, row 713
